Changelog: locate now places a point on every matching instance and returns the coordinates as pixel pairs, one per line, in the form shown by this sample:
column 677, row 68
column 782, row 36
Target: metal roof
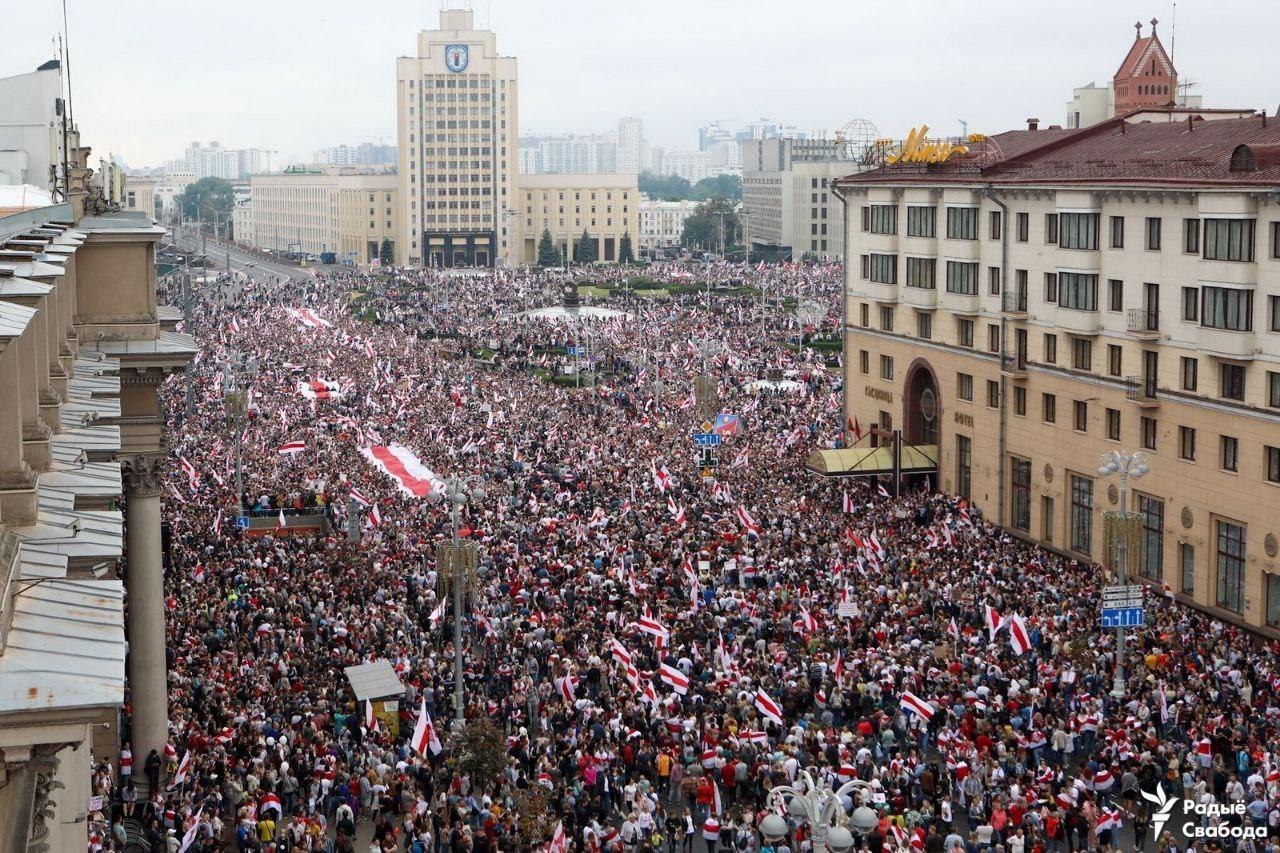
column 374, row 680
column 65, row 647
column 14, row 319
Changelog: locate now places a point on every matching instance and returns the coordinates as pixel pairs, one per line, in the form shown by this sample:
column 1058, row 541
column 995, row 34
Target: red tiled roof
column 1129, row 67
column 1112, row 152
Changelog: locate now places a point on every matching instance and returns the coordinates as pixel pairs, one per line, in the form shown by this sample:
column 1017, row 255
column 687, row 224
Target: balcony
column 1014, row 366
column 1014, row 303
column 1077, row 321
column 960, row 303
column 920, row 297
column 1141, row 391
column 881, row 292
column 1227, row 343
column 1143, row 323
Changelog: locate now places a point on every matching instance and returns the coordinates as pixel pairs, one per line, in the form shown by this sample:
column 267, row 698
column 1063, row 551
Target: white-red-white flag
column 670, row 675
column 370, row 718
column 768, row 708
column 291, row 447
column 913, row 704
column 1019, row 639
column 994, row 623
column 184, row 768
column 424, row 733
column 558, row 843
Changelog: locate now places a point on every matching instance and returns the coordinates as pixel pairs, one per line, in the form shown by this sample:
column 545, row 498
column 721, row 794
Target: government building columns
column 148, row 675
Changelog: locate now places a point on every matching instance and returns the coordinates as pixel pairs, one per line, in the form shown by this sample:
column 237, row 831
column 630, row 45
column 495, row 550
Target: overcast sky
column 149, row 77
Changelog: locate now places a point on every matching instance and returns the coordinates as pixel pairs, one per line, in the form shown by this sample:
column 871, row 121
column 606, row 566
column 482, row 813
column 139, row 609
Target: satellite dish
column 853, row 140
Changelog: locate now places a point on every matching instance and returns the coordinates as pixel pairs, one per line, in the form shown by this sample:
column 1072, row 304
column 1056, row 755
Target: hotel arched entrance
column 921, row 404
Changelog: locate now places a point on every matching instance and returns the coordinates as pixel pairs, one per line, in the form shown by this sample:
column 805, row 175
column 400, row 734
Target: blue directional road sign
column 1123, row 617
column 242, row 521
column 706, row 439
column 576, row 350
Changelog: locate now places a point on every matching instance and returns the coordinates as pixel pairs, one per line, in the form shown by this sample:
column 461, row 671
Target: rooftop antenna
column 1173, row 31
column 66, row 34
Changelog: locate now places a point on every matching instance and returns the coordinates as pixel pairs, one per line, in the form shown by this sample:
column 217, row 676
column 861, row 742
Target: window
column 1187, row 567
column 1191, row 236
column 962, row 223
column 1115, row 365
column 864, row 361
column 1231, row 552
column 1049, row 408
column 1117, row 232
column 964, row 465
column 1019, row 400
column 962, row 278
column 1147, row 428
column 1273, row 389
column 886, row 367
column 994, row 220
column 921, row 221
column 1113, row 424
column 993, row 280
column 993, row 394
column 1228, row 239
column 1273, row 600
column 993, row 338
column 1051, row 287
column 1021, row 476
column 1046, row 518
column 883, row 269
column 964, row 333
column 1078, row 291
column 865, row 312
column 1226, row 308
column 1115, row 295
column 1230, row 453
column 924, row 325
column 1081, row 513
column 1191, row 304
column 1232, row 382
column 886, row 318
column 1051, row 349
column 1190, row 373
column 1151, row 519
column 1082, row 354
column 1187, row 443
column 1080, row 415
column 1275, row 239
column 1051, row 227
column 921, row 272
column 1273, row 313
column 1271, row 464
column 1153, row 233
column 883, row 219
column 964, row 386
column 1024, row 228
column 1078, row 230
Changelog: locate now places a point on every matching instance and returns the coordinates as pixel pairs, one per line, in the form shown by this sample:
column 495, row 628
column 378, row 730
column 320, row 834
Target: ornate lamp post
column 237, row 376
column 456, row 561
column 823, row 810
column 1128, row 466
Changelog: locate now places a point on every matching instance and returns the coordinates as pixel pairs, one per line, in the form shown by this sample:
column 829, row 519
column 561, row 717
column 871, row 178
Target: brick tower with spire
column 1147, row 77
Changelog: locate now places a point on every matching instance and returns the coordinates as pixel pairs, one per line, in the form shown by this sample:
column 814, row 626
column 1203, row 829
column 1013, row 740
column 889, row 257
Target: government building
column 1024, row 303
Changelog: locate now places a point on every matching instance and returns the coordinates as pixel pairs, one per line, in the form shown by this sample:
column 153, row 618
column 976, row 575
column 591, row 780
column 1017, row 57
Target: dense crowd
column 657, row 645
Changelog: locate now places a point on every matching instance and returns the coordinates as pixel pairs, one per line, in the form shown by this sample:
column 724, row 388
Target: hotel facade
column 1051, row 295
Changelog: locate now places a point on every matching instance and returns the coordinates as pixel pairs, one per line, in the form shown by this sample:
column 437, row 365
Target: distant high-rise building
column 214, row 161
column 631, row 145
column 364, row 154
column 568, row 154
column 786, row 196
column 457, row 115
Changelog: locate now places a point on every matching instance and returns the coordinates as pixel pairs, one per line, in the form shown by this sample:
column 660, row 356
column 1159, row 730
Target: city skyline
column 900, row 74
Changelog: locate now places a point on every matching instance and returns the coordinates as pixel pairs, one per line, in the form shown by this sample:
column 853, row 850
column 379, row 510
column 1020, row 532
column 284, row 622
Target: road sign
column 1123, row 617
column 242, row 521
column 1122, row 597
column 576, row 350
column 1123, row 590
column 706, row 439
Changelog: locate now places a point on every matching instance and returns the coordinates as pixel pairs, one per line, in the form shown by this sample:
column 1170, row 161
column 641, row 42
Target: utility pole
column 186, row 327
column 456, row 562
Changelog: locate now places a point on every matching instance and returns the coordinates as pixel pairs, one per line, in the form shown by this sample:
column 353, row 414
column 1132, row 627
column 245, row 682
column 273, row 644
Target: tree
column 702, row 229
column 625, row 256
column 584, row 252
column 210, row 199
column 480, row 752
column 663, row 187
column 387, row 253
column 547, row 254
column 728, row 186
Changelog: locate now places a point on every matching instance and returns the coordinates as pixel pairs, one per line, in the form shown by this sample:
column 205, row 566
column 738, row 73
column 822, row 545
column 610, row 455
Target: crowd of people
column 656, row 642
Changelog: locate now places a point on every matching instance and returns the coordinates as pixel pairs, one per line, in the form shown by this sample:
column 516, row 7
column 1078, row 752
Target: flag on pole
column 184, row 767
column 670, row 675
column 558, row 844
column 994, row 623
column 848, row 502
column 280, row 523
column 291, row 447
column 370, row 718
column 189, row 837
column 913, row 704
column 424, row 733
column 1018, row 636
column 767, row 707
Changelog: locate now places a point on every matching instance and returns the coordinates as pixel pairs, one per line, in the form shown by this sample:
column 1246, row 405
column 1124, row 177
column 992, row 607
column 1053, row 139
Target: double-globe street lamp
column 456, row 562
column 822, row 808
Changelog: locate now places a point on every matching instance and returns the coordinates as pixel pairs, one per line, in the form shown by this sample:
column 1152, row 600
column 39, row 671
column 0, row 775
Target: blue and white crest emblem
column 456, row 57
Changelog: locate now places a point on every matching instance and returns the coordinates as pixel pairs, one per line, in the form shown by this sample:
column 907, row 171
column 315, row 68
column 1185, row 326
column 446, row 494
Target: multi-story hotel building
column 324, row 209
column 1051, row 295
column 662, row 222
column 456, row 109
column 606, row 207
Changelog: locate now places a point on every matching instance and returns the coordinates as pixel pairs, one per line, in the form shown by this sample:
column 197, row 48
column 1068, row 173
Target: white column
column 148, row 676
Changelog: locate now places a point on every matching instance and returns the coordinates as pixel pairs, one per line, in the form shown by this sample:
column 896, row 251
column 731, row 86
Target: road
column 254, row 266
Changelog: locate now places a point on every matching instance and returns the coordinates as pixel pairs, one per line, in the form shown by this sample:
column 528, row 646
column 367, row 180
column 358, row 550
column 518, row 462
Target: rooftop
column 1187, row 153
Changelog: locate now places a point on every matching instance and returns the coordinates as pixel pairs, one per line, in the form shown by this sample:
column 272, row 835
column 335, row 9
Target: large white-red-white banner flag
column 320, row 389
column 307, row 317
column 400, row 464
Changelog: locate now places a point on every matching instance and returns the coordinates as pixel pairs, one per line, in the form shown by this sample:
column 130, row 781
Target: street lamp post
column 238, row 374
column 823, row 809
column 1127, row 465
column 456, row 561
